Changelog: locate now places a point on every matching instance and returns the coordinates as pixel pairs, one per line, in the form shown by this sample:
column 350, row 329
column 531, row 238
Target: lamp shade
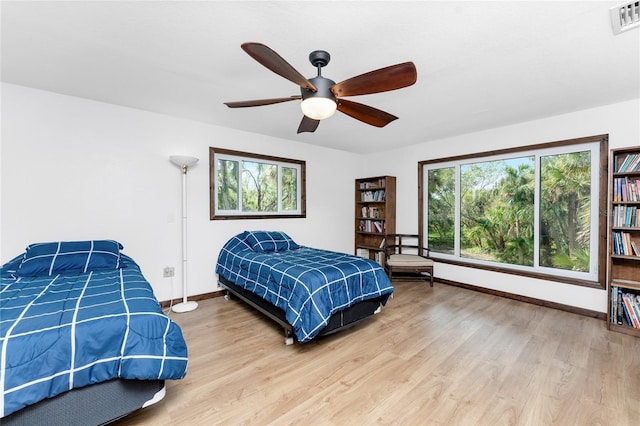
column 183, row 160
column 318, row 108
column 319, row 104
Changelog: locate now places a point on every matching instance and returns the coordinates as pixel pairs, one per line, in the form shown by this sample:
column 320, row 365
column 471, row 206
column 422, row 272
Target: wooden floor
column 441, row 356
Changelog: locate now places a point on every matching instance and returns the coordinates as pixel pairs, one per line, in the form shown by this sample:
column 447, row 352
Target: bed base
column 97, row 404
column 339, row 321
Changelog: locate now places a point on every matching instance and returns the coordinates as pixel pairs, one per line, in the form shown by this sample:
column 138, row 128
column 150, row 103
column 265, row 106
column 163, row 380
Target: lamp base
column 184, row 307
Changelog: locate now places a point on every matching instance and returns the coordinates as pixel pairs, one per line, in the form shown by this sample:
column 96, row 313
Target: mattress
column 308, row 284
column 68, row 328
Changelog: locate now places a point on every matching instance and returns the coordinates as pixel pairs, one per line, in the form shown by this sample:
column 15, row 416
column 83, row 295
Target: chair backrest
column 396, row 243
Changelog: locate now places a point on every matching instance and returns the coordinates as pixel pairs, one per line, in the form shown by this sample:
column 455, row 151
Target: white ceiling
column 480, row 64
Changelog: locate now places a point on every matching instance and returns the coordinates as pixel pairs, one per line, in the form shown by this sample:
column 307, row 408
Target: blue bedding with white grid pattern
column 308, row 284
column 59, row 332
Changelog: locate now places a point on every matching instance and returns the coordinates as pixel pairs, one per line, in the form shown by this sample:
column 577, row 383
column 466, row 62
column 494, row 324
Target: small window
column 253, row 186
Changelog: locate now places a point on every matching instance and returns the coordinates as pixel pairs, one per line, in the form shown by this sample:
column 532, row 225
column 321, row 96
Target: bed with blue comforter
column 74, row 314
column 309, row 285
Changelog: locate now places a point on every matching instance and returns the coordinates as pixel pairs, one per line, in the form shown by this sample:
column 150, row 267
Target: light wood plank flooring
column 441, row 355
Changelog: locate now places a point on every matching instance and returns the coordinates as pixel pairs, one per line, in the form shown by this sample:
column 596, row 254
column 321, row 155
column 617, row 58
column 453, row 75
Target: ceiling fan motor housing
column 324, row 88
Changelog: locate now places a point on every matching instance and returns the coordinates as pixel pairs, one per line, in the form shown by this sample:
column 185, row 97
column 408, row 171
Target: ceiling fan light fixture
column 318, row 107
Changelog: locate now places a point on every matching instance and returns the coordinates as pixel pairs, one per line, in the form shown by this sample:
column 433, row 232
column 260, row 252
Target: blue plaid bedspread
column 308, row 284
column 70, row 330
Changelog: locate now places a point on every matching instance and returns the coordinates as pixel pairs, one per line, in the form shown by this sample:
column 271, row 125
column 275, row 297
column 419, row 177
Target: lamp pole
column 184, row 163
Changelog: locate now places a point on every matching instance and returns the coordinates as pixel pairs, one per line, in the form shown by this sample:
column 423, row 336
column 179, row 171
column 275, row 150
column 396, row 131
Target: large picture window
column 252, row 186
column 532, row 210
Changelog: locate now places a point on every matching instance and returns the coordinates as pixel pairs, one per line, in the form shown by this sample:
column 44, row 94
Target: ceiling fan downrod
column 319, row 59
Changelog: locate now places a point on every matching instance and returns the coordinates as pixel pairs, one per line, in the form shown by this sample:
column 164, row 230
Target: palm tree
column 228, row 185
column 441, row 205
column 565, row 208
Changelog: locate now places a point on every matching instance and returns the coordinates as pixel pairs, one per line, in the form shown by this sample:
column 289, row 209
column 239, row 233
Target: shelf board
column 624, row 329
column 373, row 248
column 625, row 228
column 624, row 256
column 634, row 285
column 627, row 203
column 623, row 174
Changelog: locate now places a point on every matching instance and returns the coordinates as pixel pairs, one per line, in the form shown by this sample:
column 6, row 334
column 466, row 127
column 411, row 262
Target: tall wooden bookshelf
column 375, row 215
column 624, row 239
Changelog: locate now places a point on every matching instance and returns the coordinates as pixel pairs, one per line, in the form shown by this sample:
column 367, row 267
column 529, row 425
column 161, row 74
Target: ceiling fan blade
column 271, row 60
column 365, row 113
column 260, row 102
column 308, row 125
column 381, row 80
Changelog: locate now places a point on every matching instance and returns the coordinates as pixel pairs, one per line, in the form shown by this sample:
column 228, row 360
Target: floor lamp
column 184, row 162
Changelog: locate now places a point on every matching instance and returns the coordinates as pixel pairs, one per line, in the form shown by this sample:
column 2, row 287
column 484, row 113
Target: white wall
column 78, row 169
column 621, row 121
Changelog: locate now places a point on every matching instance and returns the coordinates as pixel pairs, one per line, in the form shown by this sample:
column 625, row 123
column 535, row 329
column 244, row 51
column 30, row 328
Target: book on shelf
column 377, row 184
column 383, row 243
column 363, row 252
column 635, row 303
column 373, row 226
column 623, row 245
column 372, row 212
column 626, row 216
column 617, row 244
column 378, row 195
column 628, row 300
column 625, row 307
column 630, row 163
column 616, row 306
column 620, row 309
column 625, row 189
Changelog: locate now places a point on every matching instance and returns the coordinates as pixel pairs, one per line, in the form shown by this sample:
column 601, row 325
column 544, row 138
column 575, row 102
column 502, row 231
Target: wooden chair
column 405, row 256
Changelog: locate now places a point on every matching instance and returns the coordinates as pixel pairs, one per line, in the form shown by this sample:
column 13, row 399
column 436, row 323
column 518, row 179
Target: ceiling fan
column 322, row 96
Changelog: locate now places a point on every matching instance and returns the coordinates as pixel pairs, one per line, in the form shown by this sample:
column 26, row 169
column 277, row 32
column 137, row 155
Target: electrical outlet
column 168, row 271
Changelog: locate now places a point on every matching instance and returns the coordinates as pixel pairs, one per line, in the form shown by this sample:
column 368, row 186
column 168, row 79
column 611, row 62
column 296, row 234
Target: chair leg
column 431, row 277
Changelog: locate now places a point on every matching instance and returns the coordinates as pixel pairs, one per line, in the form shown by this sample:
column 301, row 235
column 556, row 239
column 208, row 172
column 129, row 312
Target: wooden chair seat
column 408, row 261
column 412, row 266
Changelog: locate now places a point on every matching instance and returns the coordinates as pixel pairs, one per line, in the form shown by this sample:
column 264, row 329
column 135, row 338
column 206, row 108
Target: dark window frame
column 302, row 185
column 603, row 141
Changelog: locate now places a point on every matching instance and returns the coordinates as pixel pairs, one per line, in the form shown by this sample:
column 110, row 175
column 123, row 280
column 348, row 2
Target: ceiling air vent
column 625, row 17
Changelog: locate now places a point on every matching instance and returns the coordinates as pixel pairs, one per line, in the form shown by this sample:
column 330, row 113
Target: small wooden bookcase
column 624, row 241
column 375, row 215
